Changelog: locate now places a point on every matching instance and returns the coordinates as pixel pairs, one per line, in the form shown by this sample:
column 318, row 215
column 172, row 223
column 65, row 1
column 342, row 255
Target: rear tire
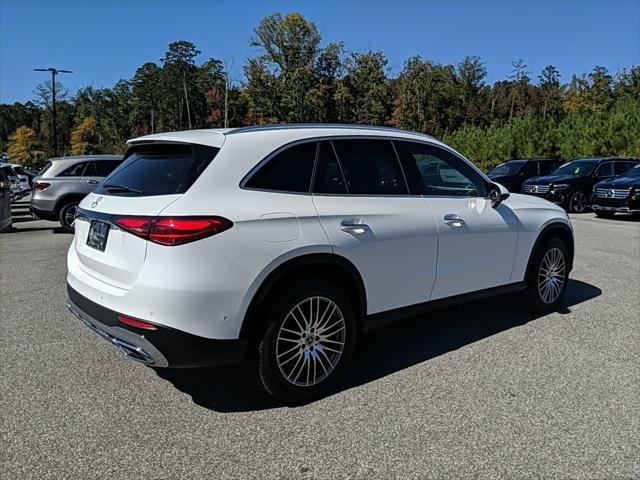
column 548, row 276
column 67, row 215
column 308, row 343
column 604, row 214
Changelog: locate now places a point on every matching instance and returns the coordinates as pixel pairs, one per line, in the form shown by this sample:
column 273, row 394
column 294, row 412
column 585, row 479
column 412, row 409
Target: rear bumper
column 43, row 214
column 164, row 347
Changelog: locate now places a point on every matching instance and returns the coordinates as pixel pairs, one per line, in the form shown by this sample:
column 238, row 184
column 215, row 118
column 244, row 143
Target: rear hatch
column 150, row 179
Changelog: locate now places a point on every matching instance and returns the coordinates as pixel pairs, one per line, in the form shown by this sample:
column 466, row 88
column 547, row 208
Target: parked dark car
column 5, row 202
column 571, row 184
column 512, row 173
column 620, row 194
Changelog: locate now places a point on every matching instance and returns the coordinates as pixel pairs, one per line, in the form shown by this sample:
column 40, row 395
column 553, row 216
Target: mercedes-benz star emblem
column 96, row 202
column 610, row 194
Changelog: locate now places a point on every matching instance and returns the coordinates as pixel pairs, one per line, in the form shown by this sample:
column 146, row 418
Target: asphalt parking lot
column 483, row 390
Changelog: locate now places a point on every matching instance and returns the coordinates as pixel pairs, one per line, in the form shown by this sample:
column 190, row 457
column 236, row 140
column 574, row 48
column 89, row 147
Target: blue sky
column 104, row 41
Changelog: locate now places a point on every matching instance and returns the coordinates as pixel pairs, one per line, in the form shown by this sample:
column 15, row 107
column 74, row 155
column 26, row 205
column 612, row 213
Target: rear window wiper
column 121, row 188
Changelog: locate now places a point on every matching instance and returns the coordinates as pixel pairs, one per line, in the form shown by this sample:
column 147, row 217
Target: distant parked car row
column 605, row 184
column 19, row 180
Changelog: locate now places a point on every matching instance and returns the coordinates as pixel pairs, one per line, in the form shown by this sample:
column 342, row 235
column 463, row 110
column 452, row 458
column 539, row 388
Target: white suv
column 281, row 245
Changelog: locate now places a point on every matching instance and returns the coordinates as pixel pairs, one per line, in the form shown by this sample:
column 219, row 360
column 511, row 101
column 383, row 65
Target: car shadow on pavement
column 379, row 353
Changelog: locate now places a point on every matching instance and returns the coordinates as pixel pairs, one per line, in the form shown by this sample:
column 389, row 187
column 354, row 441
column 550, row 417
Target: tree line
column 296, row 79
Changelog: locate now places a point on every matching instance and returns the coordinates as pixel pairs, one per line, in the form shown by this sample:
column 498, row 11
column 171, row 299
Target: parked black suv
column 621, row 194
column 512, row 173
column 571, row 184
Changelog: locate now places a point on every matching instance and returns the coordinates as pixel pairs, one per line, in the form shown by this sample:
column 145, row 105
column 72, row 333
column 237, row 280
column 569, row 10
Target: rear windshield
column 158, row 170
column 45, row 168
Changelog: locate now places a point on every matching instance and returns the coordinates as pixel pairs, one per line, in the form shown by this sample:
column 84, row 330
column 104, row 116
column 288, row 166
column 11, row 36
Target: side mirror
column 497, row 194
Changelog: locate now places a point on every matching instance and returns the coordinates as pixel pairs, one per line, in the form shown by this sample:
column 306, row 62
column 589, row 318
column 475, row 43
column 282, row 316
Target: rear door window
column 163, row 169
column 105, row 167
column 328, row 178
column 74, row 170
column 370, row 167
column 547, row 167
column 620, row 167
column 90, row 171
column 288, row 171
column 605, row 170
column 531, row 169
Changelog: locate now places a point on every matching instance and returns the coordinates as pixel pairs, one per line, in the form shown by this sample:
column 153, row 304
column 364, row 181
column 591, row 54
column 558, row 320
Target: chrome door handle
column 93, row 182
column 353, row 225
column 453, row 220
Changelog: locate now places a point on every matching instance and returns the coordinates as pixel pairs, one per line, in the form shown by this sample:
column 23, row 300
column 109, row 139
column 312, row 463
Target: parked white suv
column 281, row 245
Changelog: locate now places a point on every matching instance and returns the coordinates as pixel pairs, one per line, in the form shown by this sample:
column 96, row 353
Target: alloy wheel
column 310, row 341
column 70, row 215
column 579, row 202
column 551, row 276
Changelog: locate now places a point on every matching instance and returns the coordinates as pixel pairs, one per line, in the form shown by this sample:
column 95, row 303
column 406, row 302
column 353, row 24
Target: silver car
column 64, row 182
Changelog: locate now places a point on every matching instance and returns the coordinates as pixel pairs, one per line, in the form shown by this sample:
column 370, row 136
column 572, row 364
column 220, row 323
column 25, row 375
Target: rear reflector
column 38, row 186
column 172, row 231
column 134, row 322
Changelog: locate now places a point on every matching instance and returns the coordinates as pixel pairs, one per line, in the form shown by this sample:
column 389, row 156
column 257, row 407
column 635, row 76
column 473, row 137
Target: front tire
column 579, row 202
column 308, row 343
column 67, row 216
column 548, row 276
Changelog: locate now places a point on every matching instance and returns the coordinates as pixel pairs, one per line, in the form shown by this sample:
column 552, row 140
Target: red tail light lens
column 134, row 322
column 137, row 225
column 172, row 231
column 38, row 186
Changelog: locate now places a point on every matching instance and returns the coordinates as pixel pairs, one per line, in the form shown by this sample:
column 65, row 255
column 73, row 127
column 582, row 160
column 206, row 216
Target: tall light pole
column 54, row 72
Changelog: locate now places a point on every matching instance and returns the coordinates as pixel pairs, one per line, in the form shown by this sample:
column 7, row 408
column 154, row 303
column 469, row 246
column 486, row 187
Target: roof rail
column 346, row 126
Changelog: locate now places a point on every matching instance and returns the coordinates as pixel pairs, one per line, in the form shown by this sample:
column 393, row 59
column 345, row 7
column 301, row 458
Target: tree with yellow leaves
column 85, row 138
column 24, row 148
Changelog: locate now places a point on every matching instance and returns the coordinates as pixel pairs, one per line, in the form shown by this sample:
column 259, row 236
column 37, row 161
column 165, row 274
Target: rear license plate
column 98, row 233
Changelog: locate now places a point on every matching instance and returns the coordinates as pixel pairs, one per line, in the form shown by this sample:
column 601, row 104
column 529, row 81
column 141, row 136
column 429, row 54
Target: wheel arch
column 324, row 265
column 66, row 198
column 556, row 229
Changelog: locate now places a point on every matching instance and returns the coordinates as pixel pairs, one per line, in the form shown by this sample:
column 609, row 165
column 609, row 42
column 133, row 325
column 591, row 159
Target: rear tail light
column 134, row 322
column 172, row 231
column 38, row 186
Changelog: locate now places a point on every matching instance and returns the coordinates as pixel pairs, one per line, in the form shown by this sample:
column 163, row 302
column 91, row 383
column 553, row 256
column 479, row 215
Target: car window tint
column 288, row 171
column 432, row 170
column 605, row 170
column 161, row 169
column 90, row 171
column 531, row 168
column 74, row 170
column 620, row 167
column 547, row 167
column 370, row 167
column 328, row 178
column 105, row 167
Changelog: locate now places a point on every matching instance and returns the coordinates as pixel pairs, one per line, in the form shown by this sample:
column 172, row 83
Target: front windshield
column 633, row 172
column 577, row 168
column 507, row 168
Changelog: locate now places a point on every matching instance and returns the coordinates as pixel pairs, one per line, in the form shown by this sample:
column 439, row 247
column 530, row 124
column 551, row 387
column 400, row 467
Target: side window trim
column 344, row 178
column 404, row 175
